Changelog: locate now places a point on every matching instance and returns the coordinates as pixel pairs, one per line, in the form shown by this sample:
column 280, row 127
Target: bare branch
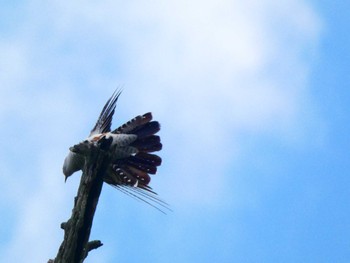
column 76, row 246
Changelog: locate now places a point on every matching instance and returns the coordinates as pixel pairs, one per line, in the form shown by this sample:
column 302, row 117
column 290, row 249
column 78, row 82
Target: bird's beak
column 65, row 179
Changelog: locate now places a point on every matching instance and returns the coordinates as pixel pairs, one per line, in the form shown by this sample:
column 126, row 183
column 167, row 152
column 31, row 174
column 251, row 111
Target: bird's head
column 72, row 163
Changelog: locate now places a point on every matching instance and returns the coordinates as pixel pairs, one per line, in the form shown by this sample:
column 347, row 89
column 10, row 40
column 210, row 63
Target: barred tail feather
column 151, row 169
column 131, row 125
column 126, row 175
column 147, row 129
column 145, row 161
column 148, row 144
column 131, row 173
column 140, row 177
column 134, row 183
column 148, row 158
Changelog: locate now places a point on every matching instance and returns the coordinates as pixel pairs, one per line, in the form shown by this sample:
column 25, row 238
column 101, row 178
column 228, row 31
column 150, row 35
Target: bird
column 132, row 146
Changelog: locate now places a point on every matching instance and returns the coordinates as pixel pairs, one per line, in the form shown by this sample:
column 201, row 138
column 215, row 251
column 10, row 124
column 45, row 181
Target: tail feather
column 125, row 174
column 151, row 169
column 134, row 162
column 134, row 170
column 147, row 158
column 148, row 144
column 131, row 125
column 147, row 129
column 140, row 175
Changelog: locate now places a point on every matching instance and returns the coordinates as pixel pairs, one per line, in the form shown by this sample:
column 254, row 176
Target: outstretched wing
column 104, row 121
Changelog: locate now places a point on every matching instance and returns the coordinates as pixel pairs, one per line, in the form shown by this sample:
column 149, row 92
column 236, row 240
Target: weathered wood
column 76, row 246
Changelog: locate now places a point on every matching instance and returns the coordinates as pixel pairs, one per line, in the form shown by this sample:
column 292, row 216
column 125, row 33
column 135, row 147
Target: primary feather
column 104, row 121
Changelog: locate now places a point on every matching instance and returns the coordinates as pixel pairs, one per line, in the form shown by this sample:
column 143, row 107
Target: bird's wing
column 104, row 122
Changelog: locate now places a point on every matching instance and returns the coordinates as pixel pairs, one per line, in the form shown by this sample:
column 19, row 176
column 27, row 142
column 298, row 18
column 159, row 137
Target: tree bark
column 76, row 246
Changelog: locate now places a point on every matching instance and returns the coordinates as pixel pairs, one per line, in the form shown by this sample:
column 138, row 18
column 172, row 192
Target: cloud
column 219, row 69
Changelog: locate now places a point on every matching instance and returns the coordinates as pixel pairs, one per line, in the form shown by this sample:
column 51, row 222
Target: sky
column 253, row 101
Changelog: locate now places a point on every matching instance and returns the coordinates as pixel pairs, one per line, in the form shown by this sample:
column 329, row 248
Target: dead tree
column 76, row 246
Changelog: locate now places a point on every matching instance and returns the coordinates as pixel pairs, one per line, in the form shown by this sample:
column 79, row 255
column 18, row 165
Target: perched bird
column 131, row 146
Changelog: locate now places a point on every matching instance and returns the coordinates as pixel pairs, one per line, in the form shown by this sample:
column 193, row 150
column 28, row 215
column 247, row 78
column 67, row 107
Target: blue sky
column 253, row 100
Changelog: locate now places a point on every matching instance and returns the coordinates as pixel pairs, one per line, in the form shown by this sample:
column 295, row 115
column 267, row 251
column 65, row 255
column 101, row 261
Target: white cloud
column 220, row 68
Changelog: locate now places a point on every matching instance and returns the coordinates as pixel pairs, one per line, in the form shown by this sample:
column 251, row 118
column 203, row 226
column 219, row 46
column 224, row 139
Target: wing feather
column 104, row 121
